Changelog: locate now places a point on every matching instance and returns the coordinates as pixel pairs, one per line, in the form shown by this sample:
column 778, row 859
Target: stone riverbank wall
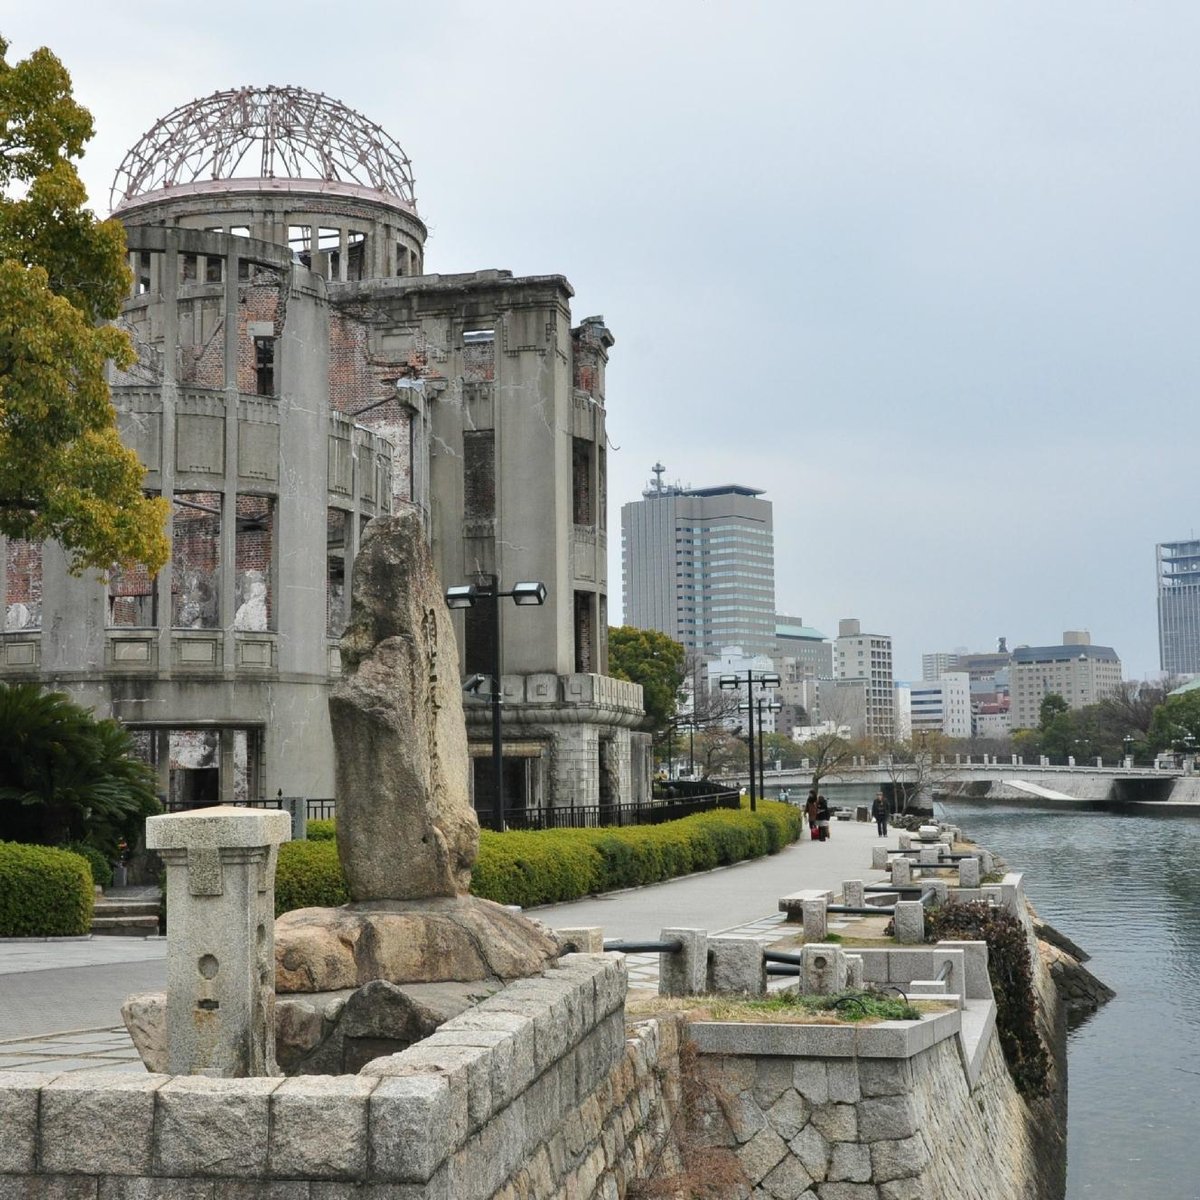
column 545, row 1091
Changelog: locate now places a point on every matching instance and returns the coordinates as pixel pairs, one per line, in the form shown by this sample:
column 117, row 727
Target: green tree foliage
column 1053, row 705
column 1175, row 720
column 67, row 777
column 64, row 473
column 656, row 662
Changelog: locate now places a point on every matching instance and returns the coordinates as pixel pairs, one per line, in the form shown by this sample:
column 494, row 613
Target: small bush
column 102, row 875
column 532, row 867
column 309, row 875
column 1012, row 982
column 44, row 892
column 321, row 831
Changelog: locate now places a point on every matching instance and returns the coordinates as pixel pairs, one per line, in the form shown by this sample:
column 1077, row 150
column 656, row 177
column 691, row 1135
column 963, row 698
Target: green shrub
column 309, row 875
column 321, row 831
column 532, row 867
column 44, row 892
column 102, row 875
column 1012, row 982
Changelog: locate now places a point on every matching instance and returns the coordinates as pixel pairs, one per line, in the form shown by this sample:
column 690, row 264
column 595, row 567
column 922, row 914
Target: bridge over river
column 1006, row 781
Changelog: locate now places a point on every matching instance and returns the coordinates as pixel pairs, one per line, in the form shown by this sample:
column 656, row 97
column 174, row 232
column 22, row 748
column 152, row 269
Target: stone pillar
column 815, row 920
column 823, row 971
column 905, row 841
column 736, row 967
column 582, row 939
column 685, row 972
column 930, row 856
column 221, row 938
column 879, row 858
column 901, row 871
column 910, row 922
column 968, row 872
column 852, row 893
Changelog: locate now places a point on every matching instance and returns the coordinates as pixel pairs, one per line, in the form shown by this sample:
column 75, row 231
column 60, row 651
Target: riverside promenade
column 60, row 1000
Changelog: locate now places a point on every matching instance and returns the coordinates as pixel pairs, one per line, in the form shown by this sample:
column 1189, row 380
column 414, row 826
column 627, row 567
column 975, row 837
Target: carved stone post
column 220, row 938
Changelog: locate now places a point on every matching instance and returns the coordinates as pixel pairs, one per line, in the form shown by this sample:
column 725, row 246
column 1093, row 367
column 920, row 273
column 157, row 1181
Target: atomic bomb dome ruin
column 299, row 373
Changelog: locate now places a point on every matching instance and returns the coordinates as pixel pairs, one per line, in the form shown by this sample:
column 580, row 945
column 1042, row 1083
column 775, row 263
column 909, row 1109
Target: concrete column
column 162, row 762
column 901, row 871
column 816, row 920
column 852, row 893
column 968, row 872
column 221, row 938
column 910, row 922
column 225, row 765
column 823, row 971
column 685, row 972
column 879, row 858
column 735, row 967
column 343, row 255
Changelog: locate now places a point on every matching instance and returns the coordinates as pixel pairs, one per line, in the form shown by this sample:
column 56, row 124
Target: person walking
column 810, row 811
column 880, row 812
column 822, row 819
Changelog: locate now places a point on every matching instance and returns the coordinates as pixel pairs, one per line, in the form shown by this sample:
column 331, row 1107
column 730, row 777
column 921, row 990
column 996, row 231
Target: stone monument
column 406, row 832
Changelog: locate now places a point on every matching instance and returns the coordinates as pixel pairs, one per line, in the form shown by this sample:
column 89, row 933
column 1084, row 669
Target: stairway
column 117, row 915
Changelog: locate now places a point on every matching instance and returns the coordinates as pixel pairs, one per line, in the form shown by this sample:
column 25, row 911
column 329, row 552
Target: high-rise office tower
column 698, row 564
column 1179, row 607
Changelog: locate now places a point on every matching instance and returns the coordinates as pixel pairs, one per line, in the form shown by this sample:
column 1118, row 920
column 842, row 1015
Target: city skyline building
column 698, row 564
column 942, row 705
column 1076, row 670
column 1178, row 579
column 867, row 658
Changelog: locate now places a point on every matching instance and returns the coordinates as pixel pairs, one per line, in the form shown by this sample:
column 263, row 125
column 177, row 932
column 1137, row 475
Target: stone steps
column 125, row 918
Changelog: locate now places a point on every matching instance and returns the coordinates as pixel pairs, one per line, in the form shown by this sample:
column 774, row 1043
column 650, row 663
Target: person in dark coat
column 880, row 812
column 810, row 811
column 822, row 819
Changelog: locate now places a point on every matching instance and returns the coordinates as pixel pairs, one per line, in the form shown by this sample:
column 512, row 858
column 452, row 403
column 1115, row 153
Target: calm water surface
column 1126, row 889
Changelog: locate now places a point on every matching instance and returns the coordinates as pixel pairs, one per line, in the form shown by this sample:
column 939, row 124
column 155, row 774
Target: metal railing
column 323, row 809
column 589, row 816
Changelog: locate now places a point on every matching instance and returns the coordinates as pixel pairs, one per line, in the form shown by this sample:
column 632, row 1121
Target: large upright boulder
column 405, row 826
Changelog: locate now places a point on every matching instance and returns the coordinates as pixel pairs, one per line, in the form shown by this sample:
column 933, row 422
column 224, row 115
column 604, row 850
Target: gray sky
column 926, row 273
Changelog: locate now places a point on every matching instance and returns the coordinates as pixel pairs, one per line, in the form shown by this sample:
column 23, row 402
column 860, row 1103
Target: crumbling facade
column 298, row 374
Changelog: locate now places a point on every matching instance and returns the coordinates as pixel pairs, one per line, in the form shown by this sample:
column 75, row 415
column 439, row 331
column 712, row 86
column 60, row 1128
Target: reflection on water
column 1126, row 889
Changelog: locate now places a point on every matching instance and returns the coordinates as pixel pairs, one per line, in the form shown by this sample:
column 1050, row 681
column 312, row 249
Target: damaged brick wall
column 195, row 561
column 23, row 585
column 253, row 583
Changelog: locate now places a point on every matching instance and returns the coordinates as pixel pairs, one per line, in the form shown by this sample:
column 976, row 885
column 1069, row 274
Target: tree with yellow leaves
column 64, row 473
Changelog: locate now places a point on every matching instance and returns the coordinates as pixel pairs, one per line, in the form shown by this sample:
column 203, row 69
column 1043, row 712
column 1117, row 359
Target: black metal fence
column 590, row 816
column 317, row 810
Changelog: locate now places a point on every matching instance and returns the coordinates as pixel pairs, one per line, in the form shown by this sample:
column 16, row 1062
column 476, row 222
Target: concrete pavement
column 60, row 1000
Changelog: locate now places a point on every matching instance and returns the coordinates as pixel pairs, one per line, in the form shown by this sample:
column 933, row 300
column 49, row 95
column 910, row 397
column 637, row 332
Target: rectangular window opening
column 195, row 561
column 264, row 366
column 253, row 590
column 336, row 528
column 23, row 587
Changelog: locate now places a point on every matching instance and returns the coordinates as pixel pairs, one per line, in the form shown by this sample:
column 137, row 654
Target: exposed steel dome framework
column 265, row 133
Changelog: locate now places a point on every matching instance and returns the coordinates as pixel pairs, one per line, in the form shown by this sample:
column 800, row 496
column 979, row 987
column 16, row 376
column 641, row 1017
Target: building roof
column 801, row 632
column 1190, row 686
column 1033, row 654
column 724, row 489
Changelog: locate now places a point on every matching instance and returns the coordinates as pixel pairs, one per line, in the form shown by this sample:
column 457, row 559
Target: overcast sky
column 926, row 272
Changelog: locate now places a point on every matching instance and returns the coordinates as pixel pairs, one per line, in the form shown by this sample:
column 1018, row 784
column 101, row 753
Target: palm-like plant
column 65, row 776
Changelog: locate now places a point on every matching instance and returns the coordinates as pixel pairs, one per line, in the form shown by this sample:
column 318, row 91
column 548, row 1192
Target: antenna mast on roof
column 657, row 470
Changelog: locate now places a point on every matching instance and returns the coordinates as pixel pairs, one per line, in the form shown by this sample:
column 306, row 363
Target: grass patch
column 786, row 1008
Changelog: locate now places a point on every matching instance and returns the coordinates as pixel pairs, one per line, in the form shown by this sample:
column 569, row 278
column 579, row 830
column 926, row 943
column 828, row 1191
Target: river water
column 1126, row 889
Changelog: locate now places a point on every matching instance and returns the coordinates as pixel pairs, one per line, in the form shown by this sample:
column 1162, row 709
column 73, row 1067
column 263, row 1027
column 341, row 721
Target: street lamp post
column 764, row 679
column 467, row 595
column 1128, row 743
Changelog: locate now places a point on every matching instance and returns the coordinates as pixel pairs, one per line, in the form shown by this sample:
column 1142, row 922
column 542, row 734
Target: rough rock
column 405, row 826
column 461, row 939
column 332, row 1032
column 145, row 1016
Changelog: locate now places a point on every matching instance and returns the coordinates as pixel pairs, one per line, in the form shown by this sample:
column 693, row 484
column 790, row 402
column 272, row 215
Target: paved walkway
column 60, row 1000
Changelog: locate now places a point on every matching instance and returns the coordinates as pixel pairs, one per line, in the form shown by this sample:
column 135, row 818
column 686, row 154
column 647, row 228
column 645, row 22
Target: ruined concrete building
column 298, row 373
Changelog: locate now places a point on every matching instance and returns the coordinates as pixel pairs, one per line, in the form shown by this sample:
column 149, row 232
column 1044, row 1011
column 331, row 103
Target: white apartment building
column 943, row 705
column 734, row 661
column 867, row 657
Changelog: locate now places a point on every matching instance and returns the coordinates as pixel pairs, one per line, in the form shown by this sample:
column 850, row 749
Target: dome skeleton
column 297, row 134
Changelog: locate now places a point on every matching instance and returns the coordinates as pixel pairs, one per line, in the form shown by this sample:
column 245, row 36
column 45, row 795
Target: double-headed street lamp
column 764, row 679
column 467, row 595
column 763, row 704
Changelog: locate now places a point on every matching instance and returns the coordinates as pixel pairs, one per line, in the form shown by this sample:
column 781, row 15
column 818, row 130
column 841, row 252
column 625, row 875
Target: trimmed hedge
column 529, row 868
column 321, row 831
column 102, row 873
column 308, row 875
column 44, row 892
